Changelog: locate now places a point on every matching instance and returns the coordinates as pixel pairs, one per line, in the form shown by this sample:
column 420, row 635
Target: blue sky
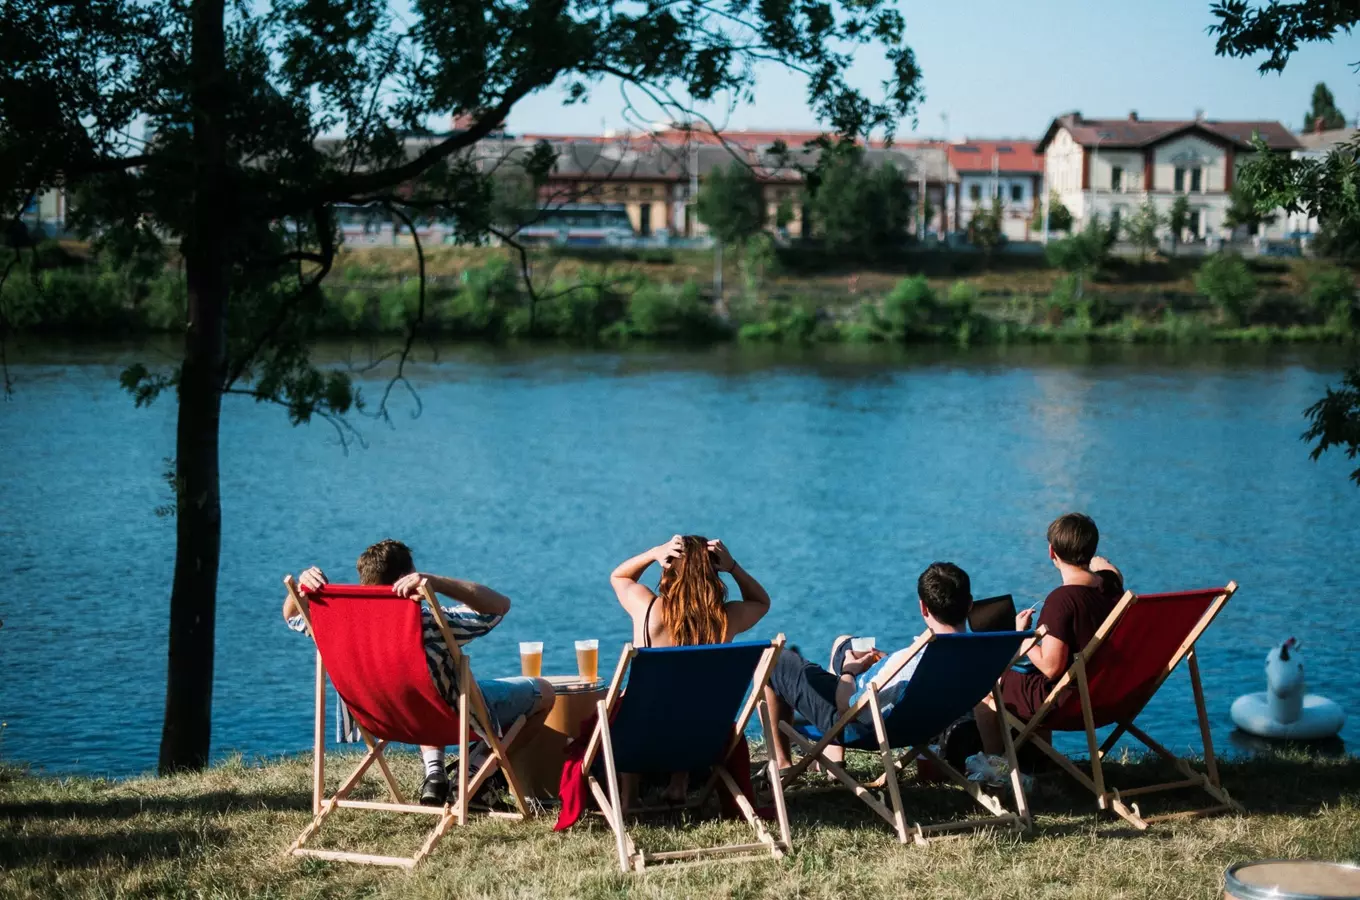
column 1005, row 69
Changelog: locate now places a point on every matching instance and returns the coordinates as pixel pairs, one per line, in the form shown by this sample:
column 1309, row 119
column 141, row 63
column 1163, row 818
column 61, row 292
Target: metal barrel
column 1291, row 879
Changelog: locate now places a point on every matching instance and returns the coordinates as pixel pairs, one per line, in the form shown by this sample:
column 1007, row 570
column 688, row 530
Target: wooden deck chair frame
column 631, row 858
column 895, row 813
column 1094, row 781
column 472, row 715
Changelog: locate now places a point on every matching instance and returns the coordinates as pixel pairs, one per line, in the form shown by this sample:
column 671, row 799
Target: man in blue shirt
column 822, row 697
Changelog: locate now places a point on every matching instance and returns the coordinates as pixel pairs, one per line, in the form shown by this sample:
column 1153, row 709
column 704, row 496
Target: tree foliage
column 859, row 209
column 1059, row 216
column 1178, row 219
column 1242, row 211
column 1323, row 111
column 1328, row 190
column 731, row 203
column 1141, row 227
column 1081, row 255
column 985, row 228
column 1227, row 283
column 239, row 130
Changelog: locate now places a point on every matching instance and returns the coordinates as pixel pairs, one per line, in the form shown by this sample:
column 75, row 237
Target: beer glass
column 588, row 660
column 531, row 659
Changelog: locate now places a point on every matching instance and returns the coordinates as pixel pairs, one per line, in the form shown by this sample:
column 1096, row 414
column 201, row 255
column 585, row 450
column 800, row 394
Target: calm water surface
column 834, row 478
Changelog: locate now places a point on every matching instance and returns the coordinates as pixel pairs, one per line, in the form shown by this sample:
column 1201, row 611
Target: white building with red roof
column 1107, row 167
column 1009, row 170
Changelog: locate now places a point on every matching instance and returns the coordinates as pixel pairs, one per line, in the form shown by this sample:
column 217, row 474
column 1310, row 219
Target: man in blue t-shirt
column 821, row 696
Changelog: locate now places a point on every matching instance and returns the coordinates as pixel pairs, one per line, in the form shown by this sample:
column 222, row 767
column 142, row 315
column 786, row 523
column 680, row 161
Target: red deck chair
column 1136, row 648
column 368, row 640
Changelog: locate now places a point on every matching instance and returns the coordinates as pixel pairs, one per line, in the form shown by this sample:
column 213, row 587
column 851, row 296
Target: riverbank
column 222, row 833
column 612, row 298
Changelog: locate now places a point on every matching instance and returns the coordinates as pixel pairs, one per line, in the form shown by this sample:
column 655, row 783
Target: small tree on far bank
column 1141, row 228
column 1178, row 219
column 1059, row 216
column 1227, row 282
column 985, row 229
column 731, row 203
column 1081, row 255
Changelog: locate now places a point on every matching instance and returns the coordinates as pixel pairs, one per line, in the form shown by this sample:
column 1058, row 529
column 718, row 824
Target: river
column 833, row 475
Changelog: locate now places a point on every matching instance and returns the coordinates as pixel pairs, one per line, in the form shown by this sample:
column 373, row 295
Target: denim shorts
column 509, row 698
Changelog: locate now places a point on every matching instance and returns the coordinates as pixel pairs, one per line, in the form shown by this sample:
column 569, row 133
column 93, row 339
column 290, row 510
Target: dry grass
column 221, row 834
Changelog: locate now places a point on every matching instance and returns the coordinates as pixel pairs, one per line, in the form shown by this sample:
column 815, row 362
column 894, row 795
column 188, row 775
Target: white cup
column 862, row 644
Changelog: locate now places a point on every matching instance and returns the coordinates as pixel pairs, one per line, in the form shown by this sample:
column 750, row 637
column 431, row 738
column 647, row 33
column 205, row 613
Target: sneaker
column 983, row 768
column 435, row 791
column 838, row 653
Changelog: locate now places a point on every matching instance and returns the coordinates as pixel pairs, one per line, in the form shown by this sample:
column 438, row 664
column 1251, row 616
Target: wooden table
column 538, row 763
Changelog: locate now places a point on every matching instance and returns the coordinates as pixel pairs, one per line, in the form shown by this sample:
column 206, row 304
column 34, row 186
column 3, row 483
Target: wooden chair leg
column 1017, row 785
column 776, row 785
column 1093, row 746
column 887, row 759
column 612, row 777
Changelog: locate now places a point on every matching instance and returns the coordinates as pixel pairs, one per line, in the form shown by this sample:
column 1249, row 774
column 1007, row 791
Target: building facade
column 1008, row 170
column 1107, row 168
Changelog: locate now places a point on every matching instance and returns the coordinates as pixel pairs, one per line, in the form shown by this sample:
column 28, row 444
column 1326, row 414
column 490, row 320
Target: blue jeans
column 509, row 698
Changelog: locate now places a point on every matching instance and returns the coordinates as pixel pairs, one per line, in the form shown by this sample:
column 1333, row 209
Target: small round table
column 538, row 762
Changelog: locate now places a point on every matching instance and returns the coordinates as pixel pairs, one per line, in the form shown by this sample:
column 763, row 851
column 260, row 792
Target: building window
column 1116, row 178
column 646, row 193
column 975, row 192
column 1194, row 223
column 1017, row 193
column 1180, row 180
column 1195, row 179
column 1115, row 216
column 645, row 219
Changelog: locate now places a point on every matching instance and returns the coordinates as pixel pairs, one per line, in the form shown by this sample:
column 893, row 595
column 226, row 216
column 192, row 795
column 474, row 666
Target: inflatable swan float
column 1284, row 710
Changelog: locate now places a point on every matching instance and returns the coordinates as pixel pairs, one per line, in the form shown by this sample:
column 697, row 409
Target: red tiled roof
column 1132, row 132
column 1009, row 156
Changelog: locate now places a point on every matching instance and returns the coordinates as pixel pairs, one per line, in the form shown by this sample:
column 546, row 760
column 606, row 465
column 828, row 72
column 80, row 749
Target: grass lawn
column 222, row 834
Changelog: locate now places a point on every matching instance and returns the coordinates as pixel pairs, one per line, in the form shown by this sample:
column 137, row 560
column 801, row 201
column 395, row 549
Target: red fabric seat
column 1128, row 666
column 372, row 644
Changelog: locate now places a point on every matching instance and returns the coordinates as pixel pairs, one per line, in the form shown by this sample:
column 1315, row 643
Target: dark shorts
column 808, row 688
column 1024, row 692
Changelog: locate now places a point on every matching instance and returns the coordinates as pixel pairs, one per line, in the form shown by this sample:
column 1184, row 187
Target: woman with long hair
column 689, row 607
column 690, row 604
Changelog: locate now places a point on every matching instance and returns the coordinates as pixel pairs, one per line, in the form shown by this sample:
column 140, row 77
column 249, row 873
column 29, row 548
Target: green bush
column 909, row 310
column 664, row 312
column 1331, row 292
column 1228, row 284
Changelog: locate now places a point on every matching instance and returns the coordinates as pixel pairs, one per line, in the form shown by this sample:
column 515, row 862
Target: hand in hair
column 722, row 558
column 665, row 553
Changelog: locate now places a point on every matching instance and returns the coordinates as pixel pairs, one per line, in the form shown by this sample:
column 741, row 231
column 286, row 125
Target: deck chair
column 369, row 641
column 954, row 673
column 685, row 709
column 1133, row 652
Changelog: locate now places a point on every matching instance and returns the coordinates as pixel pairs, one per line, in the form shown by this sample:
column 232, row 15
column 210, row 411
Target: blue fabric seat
column 954, row 673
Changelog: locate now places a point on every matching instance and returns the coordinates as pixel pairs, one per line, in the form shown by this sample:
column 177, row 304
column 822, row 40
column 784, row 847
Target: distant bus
column 601, row 225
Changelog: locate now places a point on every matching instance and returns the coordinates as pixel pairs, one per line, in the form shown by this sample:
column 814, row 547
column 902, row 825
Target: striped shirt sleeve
column 467, row 624
column 297, row 623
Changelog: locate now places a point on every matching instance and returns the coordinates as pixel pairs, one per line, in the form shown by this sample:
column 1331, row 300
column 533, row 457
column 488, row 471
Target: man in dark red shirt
column 1091, row 588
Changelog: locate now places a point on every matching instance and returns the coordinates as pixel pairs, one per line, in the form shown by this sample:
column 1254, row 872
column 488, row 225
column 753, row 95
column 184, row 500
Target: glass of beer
column 531, row 659
column 588, row 660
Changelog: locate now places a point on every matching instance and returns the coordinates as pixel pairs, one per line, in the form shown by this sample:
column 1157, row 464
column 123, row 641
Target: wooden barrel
column 1288, row 879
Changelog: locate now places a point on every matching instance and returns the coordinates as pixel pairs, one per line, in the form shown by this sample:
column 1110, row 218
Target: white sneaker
column 987, row 769
column 993, row 771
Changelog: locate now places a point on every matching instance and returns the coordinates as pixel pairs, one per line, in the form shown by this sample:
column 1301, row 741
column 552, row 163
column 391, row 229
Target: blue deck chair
column 955, row 672
column 685, row 708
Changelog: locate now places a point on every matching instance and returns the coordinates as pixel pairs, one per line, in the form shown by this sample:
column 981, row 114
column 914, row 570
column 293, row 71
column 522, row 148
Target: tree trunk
column 187, row 732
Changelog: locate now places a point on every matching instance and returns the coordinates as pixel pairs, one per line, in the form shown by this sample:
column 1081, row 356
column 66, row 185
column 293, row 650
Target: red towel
column 573, row 789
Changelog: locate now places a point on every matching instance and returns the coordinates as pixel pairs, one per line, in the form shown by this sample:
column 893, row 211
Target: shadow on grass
column 77, row 850
column 126, row 807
